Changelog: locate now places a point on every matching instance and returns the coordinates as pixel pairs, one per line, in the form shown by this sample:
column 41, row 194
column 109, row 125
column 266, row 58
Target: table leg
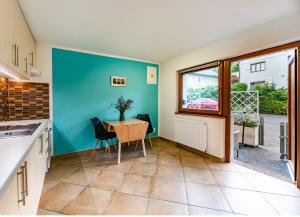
column 144, row 149
column 119, row 153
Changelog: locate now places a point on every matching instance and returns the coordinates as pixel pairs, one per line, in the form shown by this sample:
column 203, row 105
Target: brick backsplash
column 3, row 99
column 23, row 100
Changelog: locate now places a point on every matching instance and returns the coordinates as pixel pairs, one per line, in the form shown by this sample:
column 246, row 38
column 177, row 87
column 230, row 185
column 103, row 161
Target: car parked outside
column 203, row 104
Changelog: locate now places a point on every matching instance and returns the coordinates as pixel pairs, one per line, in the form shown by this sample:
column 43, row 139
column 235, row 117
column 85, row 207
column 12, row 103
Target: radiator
column 191, row 133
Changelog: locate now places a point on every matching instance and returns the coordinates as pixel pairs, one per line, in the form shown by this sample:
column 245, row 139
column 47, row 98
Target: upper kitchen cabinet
column 8, row 32
column 17, row 48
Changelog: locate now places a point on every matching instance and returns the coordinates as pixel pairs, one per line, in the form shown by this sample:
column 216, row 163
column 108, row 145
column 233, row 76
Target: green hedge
column 272, row 100
column 210, row 92
column 239, row 87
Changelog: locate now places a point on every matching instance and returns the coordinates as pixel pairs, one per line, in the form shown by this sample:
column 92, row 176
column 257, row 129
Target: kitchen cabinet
column 17, row 45
column 9, row 200
column 23, row 193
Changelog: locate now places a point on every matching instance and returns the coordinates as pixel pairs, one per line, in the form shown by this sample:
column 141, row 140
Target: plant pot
column 251, row 135
column 122, row 116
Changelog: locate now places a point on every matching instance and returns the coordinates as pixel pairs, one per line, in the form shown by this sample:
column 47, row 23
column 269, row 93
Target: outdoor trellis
column 245, row 102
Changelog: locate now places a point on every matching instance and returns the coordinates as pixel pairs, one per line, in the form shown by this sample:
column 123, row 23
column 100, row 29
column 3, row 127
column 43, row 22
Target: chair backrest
column 98, row 127
column 146, row 117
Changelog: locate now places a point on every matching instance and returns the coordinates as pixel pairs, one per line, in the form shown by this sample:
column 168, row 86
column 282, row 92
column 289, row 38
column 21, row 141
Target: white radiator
column 191, row 133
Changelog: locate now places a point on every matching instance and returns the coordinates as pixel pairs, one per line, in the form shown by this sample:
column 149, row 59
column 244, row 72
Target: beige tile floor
column 168, row 181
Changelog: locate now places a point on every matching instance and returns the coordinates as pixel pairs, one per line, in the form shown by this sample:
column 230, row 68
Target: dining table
column 128, row 131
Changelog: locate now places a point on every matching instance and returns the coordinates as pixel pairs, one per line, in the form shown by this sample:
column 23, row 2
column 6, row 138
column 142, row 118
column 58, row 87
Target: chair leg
column 136, row 145
column 95, row 148
column 108, row 149
column 128, row 144
column 119, row 153
column 149, row 139
column 112, row 141
column 144, row 149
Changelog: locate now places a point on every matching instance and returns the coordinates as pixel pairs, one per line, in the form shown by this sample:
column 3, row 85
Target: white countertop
column 14, row 150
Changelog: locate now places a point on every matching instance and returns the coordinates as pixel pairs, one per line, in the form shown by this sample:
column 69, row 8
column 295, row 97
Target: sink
column 7, row 131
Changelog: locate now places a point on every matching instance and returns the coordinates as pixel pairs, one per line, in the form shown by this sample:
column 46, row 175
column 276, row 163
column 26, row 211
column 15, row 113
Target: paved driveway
column 272, row 132
column 267, row 158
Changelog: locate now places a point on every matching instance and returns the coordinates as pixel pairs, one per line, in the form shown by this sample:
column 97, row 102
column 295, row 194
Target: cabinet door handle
column 21, row 175
column 31, row 54
column 26, row 66
column 14, row 61
column 17, row 55
column 42, row 144
column 26, row 178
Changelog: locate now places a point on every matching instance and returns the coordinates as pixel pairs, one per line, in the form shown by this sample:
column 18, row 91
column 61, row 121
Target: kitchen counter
column 14, row 150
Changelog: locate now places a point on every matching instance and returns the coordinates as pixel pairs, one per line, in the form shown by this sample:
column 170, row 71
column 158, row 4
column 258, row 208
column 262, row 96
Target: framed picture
column 151, row 75
column 118, row 81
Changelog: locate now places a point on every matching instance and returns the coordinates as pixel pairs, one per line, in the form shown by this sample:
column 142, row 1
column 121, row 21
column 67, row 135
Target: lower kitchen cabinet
column 9, row 200
column 23, row 193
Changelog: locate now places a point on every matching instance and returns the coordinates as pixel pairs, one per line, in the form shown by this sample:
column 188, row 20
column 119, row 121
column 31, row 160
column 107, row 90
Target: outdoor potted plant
column 123, row 105
column 251, row 133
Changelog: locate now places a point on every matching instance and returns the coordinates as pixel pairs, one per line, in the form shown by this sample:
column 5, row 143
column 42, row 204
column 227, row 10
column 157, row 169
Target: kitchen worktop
column 14, row 150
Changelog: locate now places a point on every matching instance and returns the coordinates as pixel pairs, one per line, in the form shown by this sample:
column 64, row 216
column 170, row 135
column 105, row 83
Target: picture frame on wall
column 117, row 81
column 151, row 75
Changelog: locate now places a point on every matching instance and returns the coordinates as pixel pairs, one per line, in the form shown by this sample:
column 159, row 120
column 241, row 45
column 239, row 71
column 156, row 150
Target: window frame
column 255, row 66
column 197, row 68
column 254, row 83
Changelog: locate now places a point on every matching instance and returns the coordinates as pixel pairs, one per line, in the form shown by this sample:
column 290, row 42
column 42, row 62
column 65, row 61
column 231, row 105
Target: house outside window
column 276, row 70
column 257, row 67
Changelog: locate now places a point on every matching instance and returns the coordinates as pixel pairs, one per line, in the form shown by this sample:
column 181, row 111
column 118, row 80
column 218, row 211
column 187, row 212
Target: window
column 199, row 89
column 253, row 84
column 257, row 67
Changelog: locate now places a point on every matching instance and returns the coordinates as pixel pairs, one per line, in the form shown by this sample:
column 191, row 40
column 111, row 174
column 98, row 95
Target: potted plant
column 251, row 129
column 122, row 105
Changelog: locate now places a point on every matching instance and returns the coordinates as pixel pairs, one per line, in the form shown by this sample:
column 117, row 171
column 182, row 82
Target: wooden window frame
column 209, row 65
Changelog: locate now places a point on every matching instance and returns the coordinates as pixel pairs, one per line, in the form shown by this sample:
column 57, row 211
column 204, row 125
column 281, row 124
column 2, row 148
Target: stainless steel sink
column 7, row 131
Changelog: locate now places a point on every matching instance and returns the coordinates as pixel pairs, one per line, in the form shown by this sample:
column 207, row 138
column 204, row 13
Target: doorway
column 261, row 90
column 290, row 124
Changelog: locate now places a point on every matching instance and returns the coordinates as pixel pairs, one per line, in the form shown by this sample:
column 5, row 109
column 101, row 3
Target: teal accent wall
column 82, row 90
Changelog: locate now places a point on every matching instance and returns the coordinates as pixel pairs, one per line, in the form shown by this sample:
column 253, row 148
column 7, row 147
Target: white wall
column 278, row 31
column 44, row 64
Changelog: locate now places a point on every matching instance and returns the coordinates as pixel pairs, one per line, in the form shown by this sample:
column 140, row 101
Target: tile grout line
column 73, row 199
column 269, row 203
column 50, row 210
column 174, row 202
column 113, row 194
column 222, row 191
column 186, row 189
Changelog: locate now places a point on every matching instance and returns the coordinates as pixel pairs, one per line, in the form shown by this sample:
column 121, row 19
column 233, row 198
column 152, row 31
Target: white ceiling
column 146, row 29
